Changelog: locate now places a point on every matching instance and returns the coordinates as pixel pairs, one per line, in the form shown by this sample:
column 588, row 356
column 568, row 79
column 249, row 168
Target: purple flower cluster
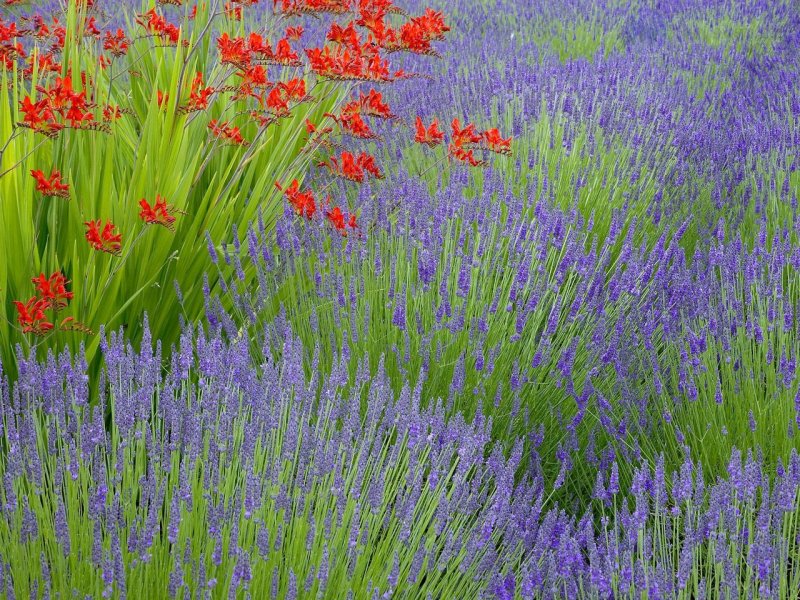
column 229, row 473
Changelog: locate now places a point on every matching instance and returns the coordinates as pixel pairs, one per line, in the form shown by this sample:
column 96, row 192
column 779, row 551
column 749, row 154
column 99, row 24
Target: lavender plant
column 234, row 475
column 243, row 476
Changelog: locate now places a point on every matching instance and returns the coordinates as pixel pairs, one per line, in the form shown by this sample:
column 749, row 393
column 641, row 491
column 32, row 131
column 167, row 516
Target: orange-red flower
column 353, row 124
column 53, row 290
column 156, row 25
column 335, row 217
column 495, row 143
column 40, row 117
column 302, row 201
column 298, row 7
column 227, row 133
column 352, row 167
column 116, row 43
column 50, row 186
column 31, row 317
column 430, row 135
column 294, row 33
column 233, row 51
column 465, row 156
column 104, row 240
column 463, row 138
column 199, row 96
column 158, row 214
column 370, row 105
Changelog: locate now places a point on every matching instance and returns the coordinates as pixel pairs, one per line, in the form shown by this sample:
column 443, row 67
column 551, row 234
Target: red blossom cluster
column 31, row 316
column 227, row 133
column 60, row 106
column 53, row 290
column 351, row 167
column 336, row 218
column 9, row 49
column 158, row 214
column 50, row 186
column 52, row 294
column 302, row 201
column 42, row 31
column 464, row 140
column 413, row 36
column 312, row 7
column 103, row 238
column 116, row 43
column 157, row 26
column 199, row 96
column 249, row 56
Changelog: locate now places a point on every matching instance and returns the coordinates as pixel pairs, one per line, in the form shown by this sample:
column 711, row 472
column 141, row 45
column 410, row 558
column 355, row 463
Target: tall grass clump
column 125, row 150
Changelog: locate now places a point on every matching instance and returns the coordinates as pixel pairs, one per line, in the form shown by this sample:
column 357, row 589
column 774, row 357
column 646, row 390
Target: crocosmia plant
column 399, row 299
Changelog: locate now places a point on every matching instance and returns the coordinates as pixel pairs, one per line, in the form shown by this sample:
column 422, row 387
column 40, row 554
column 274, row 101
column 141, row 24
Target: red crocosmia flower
column 367, row 162
column 284, row 55
column 465, row 156
column 432, row 24
column 53, row 290
column 157, row 26
column 277, row 102
column 495, row 143
column 353, row 124
column 294, row 33
column 31, row 317
column 258, row 45
column 91, row 29
column 252, row 77
column 346, row 36
column 227, row 133
column 312, row 7
column 295, row 89
column 463, row 138
column 39, row 116
column 346, row 166
column 43, row 63
column 158, row 214
column 303, row 202
column 162, row 99
column 199, row 96
column 77, row 116
column 233, row 12
column 104, row 240
column 336, row 218
column 116, row 43
column 370, row 105
column 50, row 186
column 233, row 51
column 352, row 167
column 431, row 135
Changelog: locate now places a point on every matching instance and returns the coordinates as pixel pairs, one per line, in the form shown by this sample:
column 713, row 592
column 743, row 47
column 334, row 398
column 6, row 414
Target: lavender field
column 400, row 299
